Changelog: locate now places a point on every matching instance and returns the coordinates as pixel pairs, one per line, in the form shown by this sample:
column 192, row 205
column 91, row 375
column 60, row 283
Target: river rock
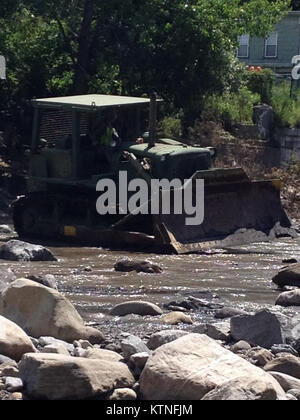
column 163, row 337
column 259, row 356
column 295, row 393
column 128, row 266
column 288, row 276
column 7, row 360
column 137, row 308
column 285, row 363
column 262, row 329
column 51, row 341
column 123, row 394
column 175, row 318
column 6, row 277
column 234, row 391
column 42, row 311
column 56, row 349
column 132, row 345
column 290, row 298
column 219, row 331
column 284, row 348
column 101, row 354
column 139, row 360
column 192, row 366
column 57, row 377
column 225, row 313
column 13, row 340
column 47, row 280
column 291, row 331
column 13, row 384
column 240, row 346
column 6, row 230
column 22, row 251
column 285, row 381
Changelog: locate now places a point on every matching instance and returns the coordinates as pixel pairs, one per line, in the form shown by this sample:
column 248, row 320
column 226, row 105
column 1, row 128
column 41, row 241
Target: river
column 241, row 278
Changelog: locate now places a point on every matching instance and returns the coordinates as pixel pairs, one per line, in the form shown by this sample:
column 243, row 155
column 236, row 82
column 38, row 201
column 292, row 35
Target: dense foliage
column 184, row 50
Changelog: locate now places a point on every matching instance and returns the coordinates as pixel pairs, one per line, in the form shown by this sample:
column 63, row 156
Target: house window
column 243, row 50
column 271, row 45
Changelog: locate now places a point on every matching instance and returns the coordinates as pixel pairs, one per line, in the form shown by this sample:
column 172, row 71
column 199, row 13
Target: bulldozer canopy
column 89, row 102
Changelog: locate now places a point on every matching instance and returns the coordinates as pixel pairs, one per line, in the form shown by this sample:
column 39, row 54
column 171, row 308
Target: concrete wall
column 289, row 142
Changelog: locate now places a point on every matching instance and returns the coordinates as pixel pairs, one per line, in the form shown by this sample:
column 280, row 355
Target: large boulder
column 13, row 340
column 262, row 329
column 21, row 251
column 137, row 308
column 194, row 365
column 42, row 311
column 288, row 276
column 57, row 377
column 290, row 298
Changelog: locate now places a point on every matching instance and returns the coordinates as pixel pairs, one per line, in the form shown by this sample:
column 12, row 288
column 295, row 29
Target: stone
column 234, row 391
column 57, row 377
column 285, row 363
column 132, row 345
column 42, row 311
column 219, row 331
column 7, row 276
column 192, row 366
column 51, row 341
column 175, row 318
column 127, row 266
column 6, row 230
column 101, row 354
column 17, row 396
column 139, row 360
column 9, row 370
column 136, row 307
column 13, row 384
column 262, row 329
column 285, row 381
column 290, row 298
column 291, row 331
column 225, row 313
column 240, row 346
column 260, row 356
column 284, row 348
column 47, row 280
column 288, row 276
column 295, row 393
column 21, row 251
column 123, row 394
column 163, row 337
column 85, row 344
column 263, row 117
column 13, row 340
column 56, row 349
column 79, row 352
column 7, row 360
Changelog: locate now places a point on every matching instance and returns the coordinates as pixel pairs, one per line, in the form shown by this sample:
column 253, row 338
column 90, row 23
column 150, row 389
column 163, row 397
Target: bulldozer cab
column 83, row 137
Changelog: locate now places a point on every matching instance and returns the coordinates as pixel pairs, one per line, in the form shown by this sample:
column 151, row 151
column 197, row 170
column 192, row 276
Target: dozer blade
column 237, row 211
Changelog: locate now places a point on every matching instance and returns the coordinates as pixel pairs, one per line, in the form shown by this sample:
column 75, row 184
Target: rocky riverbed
column 218, row 308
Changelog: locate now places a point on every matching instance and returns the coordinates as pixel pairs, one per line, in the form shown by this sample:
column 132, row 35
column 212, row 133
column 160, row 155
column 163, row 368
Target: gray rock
column 50, row 341
column 259, row 356
column 21, row 251
column 125, row 265
column 7, row 360
column 284, row 348
column 291, row 397
column 8, row 370
column 132, row 345
column 290, row 298
column 123, row 394
column 285, row 363
column 219, row 331
column 47, row 280
column 163, row 337
column 262, row 329
column 288, row 276
column 295, row 393
column 285, row 381
column 13, row 384
column 139, row 360
column 56, row 349
column 137, row 308
column 6, row 277
column 6, row 230
column 291, row 331
column 229, row 313
column 240, row 346
column 263, row 117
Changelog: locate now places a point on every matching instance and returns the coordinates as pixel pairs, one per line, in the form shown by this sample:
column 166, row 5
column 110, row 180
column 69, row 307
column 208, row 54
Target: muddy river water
column 240, row 278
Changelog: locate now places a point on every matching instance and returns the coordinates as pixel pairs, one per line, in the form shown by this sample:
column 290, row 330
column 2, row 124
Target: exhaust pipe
column 152, row 120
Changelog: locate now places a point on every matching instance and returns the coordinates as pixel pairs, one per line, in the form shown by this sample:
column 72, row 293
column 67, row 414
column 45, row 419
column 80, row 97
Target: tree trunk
column 83, row 55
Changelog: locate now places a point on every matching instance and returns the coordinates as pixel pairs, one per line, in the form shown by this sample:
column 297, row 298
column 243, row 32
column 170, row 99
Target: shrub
column 261, row 82
column 170, row 127
column 286, row 108
column 231, row 108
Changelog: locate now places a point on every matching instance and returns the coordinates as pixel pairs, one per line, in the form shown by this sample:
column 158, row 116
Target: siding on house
column 288, row 30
